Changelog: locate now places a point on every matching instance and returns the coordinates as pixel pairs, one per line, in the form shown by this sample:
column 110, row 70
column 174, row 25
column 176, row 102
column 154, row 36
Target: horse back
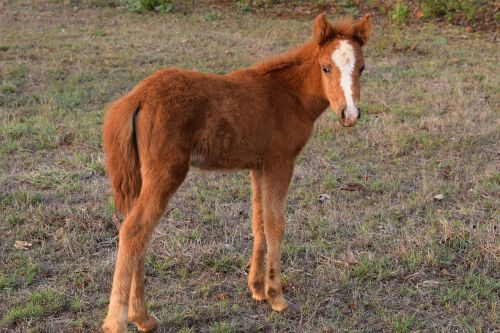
column 224, row 121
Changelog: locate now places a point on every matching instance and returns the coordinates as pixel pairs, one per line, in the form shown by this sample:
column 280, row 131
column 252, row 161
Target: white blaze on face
column 345, row 59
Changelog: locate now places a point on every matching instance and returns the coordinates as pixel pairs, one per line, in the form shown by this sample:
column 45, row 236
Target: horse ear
column 363, row 29
column 321, row 29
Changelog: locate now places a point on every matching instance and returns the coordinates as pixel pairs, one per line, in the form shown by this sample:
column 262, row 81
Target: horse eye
column 362, row 69
column 326, row 69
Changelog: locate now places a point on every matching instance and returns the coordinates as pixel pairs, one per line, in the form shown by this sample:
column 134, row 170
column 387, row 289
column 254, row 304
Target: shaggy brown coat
column 257, row 118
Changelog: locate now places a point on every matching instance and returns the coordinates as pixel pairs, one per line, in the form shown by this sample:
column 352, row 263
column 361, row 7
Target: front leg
column 275, row 181
column 256, row 275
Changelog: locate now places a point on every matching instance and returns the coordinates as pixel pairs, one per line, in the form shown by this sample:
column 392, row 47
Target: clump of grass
column 163, row 6
column 376, row 268
column 225, row 264
column 8, row 87
column 398, row 16
column 222, row 327
column 21, row 198
column 21, row 276
column 399, row 13
column 244, row 5
column 451, row 10
column 40, row 303
column 213, row 15
column 491, row 183
column 404, row 323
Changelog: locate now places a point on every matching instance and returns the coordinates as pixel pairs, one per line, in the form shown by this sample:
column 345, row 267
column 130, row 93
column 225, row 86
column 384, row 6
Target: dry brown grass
column 379, row 255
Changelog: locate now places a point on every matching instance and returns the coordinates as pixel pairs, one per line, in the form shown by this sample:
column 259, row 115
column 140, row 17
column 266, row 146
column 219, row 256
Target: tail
column 120, row 148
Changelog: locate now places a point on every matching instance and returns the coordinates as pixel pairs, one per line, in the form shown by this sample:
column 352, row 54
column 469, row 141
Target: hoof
column 114, row 327
column 147, row 325
column 258, row 296
column 257, row 290
column 278, row 304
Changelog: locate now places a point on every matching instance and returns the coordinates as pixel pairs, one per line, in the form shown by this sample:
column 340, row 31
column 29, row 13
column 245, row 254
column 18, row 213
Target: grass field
column 380, row 255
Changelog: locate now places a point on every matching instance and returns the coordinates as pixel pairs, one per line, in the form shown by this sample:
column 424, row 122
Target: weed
column 244, row 6
column 412, row 260
column 399, row 13
column 8, row 87
column 163, row 6
column 404, row 323
column 186, row 330
column 222, row 327
column 226, row 264
column 373, row 268
column 317, row 225
column 213, row 15
column 491, row 183
column 77, row 304
column 450, row 9
column 331, row 183
column 208, row 216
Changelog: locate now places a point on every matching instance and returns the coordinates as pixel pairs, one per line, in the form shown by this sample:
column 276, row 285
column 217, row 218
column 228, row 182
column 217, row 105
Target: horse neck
column 298, row 74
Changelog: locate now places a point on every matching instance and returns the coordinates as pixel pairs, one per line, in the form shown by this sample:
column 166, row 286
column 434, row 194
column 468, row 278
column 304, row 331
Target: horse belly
column 212, row 157
column 226, row 148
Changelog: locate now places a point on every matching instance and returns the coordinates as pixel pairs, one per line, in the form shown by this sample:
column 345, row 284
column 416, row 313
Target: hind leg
column 157, row 188
column 137, row 308
column 256, row 275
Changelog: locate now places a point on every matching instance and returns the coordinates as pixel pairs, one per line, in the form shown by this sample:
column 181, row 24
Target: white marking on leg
column 345, row 59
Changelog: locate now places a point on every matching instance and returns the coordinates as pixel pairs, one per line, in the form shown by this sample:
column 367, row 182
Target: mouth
column 346, row 123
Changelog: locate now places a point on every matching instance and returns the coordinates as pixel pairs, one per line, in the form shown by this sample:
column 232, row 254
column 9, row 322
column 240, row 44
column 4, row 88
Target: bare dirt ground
column 381, row 254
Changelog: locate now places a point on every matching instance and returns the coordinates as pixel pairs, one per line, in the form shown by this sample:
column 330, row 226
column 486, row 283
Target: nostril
column 342, row 114
column 359, row 114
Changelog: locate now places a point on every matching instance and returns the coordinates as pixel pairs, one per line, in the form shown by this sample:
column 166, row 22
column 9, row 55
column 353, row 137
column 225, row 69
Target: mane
column 343, row 28
column 292, row 57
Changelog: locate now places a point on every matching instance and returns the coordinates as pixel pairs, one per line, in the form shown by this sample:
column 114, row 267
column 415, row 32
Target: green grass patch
column 40, row 303
column 373, row 268
column 404, row 323
column 222, row 327
column 225, row 264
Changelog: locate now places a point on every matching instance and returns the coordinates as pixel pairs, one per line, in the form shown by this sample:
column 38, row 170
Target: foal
column 256, row 118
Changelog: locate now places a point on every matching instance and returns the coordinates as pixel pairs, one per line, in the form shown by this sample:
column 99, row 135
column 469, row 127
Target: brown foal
column 257, row 118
